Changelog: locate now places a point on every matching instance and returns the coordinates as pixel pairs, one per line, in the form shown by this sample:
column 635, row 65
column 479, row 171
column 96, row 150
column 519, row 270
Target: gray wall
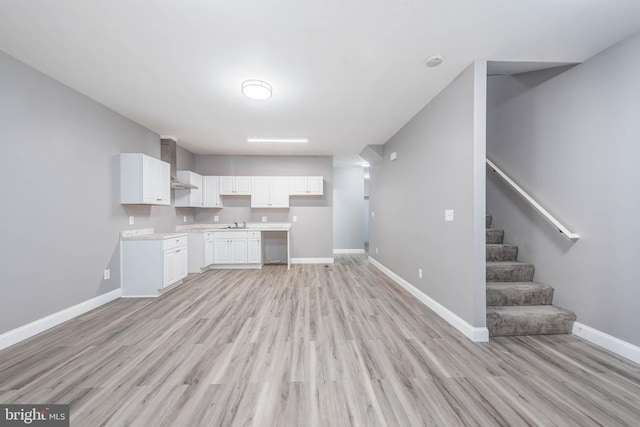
column 440, row 153
column 572, row 141
column 348, row 208
column 311, row 235
column 60, row 175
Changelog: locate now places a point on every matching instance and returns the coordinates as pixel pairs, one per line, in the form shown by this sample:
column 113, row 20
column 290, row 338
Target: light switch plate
column 373, row 214
column 295, row 218
column 184, row 218
column 216, row 219
column 131, row 220
column 448, row 215
column 264, row 219
column 420, row 273
column 376, row 250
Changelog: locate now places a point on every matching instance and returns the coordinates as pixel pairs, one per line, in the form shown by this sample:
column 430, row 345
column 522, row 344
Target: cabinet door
column 260, row 192
column 164, row 182
column 243, row 185
column 239, row 251
column 170, row 273
column 227, row 185
column 150, row 175
column 221, row 251
column 211, row 192
column 315, row 185
column 279, row 192
column 181, row 263
column 196, row 193
column 297, row 185
column 254, row 251
column 208, row 253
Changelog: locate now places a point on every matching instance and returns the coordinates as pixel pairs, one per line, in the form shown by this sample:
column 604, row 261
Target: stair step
column 510, row 271
column 502, row 252
column 518, row 293
column 529, row 320
column 495, row 235
column 488, row 221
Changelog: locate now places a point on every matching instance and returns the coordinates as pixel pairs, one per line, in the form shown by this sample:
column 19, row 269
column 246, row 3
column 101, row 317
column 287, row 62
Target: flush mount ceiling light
column 256, row 89
column 434, row 61
column 284, row 140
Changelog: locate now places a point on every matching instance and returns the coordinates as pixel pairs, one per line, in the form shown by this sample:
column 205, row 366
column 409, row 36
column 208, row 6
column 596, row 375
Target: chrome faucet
column 235, row 224
column 244, row 224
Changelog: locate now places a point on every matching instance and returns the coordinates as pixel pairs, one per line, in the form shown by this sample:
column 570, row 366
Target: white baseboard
column 611, row 343
column 27, row 331
column 348, row 251
column 311, row 260
column 473, row 333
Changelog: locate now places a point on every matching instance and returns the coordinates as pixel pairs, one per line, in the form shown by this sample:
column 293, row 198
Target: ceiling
column 345, row 73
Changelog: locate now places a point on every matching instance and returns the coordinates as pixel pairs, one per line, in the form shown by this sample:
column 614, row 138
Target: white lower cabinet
column 254, row 251
column 151, row 265
column 200, row 251
column 238, row 251
column 208, row 251
column 237, row 248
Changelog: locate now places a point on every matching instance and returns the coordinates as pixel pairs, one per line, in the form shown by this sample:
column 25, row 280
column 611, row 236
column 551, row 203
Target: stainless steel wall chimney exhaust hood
column 168, row 148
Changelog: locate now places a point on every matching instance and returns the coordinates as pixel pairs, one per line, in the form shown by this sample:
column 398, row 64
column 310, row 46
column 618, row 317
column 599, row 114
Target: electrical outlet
column 295, row 218
column 419, row 273
column 131, row 220
column 107, row 274
column 184, row 218
column 376, row 250
column 448, row 215
column 216, row 218
column 264, row 219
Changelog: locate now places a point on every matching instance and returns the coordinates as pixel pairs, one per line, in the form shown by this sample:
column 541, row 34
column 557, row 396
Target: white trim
column 473, row 333
column 611, row 343
column 30, row 329
column 348, row 251
column 311, row 260
column 561, row 228
column 235, row 267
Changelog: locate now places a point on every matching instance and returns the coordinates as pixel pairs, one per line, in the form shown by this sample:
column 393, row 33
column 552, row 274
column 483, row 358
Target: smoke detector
column 434, row 61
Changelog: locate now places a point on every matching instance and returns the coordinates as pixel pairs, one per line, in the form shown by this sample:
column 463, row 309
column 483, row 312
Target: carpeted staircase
column 516, row 305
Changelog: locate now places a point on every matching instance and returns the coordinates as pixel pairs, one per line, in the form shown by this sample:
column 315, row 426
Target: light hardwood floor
column 318, row 345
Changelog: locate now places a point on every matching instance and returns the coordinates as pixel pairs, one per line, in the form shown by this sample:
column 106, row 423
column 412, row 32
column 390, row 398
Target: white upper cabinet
column 306, row 185
column 211, row 192
column 270, row 192
column 193, row 197
column 207, row 195
column 235, row 185
column 144, row 180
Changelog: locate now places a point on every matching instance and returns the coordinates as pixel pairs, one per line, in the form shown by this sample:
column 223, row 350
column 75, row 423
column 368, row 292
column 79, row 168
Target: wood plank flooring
column 335, row 345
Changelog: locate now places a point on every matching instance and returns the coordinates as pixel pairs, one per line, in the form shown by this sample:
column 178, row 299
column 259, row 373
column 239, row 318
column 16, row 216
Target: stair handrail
column 561, row 228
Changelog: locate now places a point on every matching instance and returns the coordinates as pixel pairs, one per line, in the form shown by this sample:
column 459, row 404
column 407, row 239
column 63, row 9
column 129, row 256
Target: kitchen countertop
column 148, row 234
column 251, row 226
